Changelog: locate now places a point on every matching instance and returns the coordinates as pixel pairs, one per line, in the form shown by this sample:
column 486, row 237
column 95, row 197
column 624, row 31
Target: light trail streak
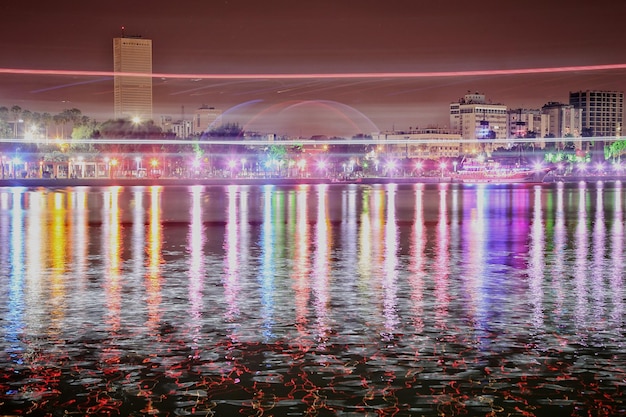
column 352, row 75
column 295, row 142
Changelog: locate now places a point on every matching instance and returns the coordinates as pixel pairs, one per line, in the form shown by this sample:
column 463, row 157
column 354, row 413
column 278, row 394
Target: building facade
column 474, row 118
column 132, row 94
column 528, row 124
column 565, row 121
column 602, row 111
column 205, row 118
column 430, row 143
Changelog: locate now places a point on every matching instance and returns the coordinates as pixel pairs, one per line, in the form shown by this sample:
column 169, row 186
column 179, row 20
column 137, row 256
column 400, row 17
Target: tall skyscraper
column 132, row 94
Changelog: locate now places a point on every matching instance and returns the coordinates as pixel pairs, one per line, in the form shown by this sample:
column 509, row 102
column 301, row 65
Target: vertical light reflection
column 390, row 269
column 347, row 282
column 195, row 247
column 243, row 252
column 476, row 252
column 302, row 267
column 13, row 323
column 365, row 239
column 111, row 246
column 417, row 260
column 5, row 217
column 378, row 220
column 537, row 259
column 80, row 233
column 580, row 267
column 442, row 266
column 154, row 243
column 599, row 267
column 321, row 263
column 231, row 246
column 138, row 240
column 267, row 263
column 58, row 247
column 560, row 244
column 617, row 259
column 35, row 253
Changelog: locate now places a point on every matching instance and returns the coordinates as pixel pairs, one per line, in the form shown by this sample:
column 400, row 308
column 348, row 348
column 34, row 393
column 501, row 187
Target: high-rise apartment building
column 602, row 117
column 602, row 111
column 132, row 94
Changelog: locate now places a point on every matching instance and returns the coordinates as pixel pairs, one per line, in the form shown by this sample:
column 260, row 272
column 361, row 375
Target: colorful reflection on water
column 313, row 300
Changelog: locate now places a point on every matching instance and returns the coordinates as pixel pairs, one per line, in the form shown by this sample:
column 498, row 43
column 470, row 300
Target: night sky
column 324, row 36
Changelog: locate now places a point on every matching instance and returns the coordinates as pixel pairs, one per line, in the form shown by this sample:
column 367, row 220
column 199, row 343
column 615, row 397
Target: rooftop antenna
column 123, row 31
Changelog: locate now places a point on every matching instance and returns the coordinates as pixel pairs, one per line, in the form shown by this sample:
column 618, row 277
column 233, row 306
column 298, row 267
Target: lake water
column 313, row 300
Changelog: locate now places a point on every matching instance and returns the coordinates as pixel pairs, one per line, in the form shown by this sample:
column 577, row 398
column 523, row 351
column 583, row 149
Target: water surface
column 313, row 300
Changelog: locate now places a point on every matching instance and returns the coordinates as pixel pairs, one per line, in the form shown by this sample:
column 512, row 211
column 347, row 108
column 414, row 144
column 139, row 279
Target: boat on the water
column 494, row 172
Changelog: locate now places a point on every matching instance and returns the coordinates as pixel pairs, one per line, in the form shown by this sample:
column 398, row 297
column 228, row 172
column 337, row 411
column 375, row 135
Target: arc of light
column 334, row 106
column 351, row 75
column 325, row 104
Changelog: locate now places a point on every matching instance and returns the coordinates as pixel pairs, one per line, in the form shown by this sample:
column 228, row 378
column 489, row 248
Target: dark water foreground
column 313, row 300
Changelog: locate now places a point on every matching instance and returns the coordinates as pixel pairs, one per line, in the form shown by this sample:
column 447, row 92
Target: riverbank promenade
column 107, row 182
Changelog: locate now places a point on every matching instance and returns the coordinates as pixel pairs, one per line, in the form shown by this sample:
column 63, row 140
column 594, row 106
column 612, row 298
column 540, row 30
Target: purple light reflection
column 581, row 263
column 231, row 261
column 617, row 258
column 599, row 253
column 390, row 266
column 442, row 265
column 536, row 262
column 418, row 260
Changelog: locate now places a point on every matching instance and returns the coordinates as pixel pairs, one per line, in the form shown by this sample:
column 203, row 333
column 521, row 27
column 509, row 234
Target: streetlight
column 418, row 167
column 443, row 166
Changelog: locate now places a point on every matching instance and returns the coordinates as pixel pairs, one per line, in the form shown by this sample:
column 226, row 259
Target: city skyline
column 240, row 37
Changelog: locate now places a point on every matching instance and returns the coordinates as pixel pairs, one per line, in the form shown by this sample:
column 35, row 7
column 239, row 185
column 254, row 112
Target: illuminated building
column 564, row 121
column 430, row 143
column 132, row 94
column 602, row 116
column 528, row 123
column 474, row 118
column 602, row 111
